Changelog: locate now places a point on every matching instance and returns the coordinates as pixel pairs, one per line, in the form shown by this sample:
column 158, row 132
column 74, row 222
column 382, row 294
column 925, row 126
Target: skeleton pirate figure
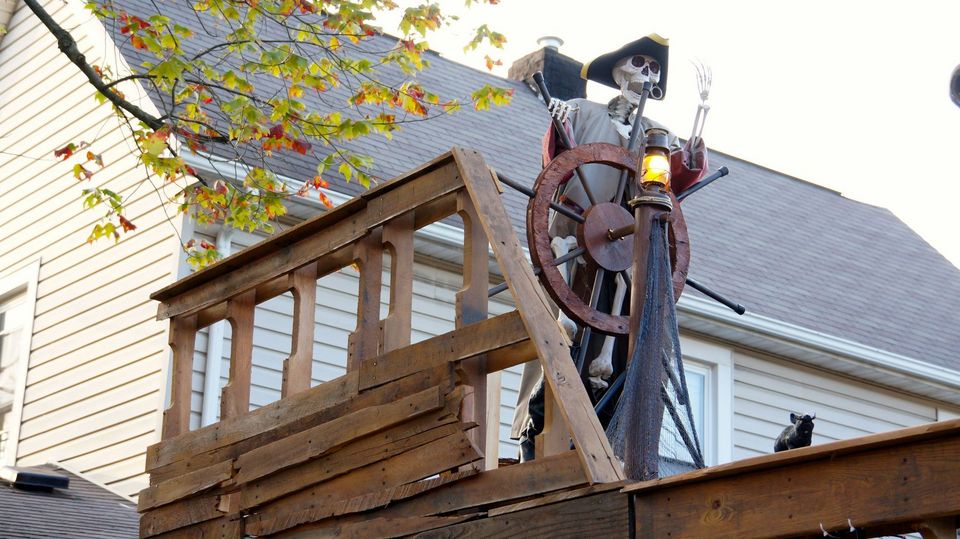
column 627, row 69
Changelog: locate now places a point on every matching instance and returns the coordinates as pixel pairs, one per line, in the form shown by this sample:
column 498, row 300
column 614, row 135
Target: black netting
column 633, row 428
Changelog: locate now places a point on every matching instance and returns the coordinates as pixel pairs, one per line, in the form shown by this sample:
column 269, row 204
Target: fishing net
column 633, row 428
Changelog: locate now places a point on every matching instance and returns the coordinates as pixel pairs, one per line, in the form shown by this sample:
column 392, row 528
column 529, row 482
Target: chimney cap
column 550, row 42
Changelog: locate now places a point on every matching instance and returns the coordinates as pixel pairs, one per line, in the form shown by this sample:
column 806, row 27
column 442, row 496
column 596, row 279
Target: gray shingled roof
column 83, row 510
column 787, row 249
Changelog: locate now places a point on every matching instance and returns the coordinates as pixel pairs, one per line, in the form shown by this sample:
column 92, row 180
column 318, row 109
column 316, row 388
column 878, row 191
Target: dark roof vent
column 34, row 479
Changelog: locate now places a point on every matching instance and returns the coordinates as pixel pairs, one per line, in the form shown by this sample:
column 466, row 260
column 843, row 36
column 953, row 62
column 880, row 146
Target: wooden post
column 298, row 367
column 472, row 307
column 398, row 238
column 183, row 334
column 235, row 398
column 555, row 438
column 364, row 342
column 553, row 350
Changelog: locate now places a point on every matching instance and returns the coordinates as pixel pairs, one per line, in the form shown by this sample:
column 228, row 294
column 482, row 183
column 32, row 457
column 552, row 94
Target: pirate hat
column 600, row 69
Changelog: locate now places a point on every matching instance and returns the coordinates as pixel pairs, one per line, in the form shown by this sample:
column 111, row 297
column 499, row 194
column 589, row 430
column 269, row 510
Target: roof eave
column 820, row 350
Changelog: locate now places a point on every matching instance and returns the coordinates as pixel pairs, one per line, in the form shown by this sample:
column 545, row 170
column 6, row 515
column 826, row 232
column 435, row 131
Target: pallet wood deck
column 400, row 444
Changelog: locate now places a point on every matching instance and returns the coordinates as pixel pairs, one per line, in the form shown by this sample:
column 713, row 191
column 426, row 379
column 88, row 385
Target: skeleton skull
column 631, row 72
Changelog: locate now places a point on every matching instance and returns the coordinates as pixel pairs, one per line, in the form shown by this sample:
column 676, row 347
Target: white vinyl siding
column 94, row 385
column 766, row 391
column 434, row 292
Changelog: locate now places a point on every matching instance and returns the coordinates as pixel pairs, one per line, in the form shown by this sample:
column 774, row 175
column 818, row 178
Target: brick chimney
column 561, row 73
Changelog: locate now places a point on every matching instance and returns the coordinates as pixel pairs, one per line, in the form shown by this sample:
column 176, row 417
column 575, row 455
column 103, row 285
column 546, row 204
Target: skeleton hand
column 559, row 109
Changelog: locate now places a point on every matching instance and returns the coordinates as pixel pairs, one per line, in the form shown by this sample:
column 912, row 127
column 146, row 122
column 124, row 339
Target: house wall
column 94, row 383
column 767, row 389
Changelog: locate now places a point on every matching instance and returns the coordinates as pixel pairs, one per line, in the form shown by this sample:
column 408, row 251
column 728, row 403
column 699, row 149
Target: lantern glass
column 656, row 167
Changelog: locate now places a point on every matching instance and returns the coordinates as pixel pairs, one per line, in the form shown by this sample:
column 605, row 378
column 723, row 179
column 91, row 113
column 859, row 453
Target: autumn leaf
column 126, row 224
column 66, row 151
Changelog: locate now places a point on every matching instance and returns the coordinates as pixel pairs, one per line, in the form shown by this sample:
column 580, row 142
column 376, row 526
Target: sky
column 848, row 94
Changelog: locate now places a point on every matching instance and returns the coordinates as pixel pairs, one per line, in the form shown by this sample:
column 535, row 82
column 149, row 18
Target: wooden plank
column 599, row 515
column 312, row 443
column 471, row 307
column 398, row 240
column 355, row 455
column 384, row 497
column 316, row 503
column 235, row 396
column 555, row 497
column 907, row 436
column 307, row 228
column 494, row 487
column 183, row 486
column 509, row 356
column 373, row 527
column 555, row 438
column 230, row 439
column 877, row 487
column 297, row 367
column 267, row 418
column 180, row 514
column 221, row 528
column 479, row 338
column 302, row 244
column 183, row 336
column 364, row 342
column 560, row 374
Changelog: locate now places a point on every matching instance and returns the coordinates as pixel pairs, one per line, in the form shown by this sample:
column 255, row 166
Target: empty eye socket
column 637, row 61
column 654, row 67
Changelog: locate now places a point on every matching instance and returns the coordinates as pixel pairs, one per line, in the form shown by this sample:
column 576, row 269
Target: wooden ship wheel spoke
column 603, row 236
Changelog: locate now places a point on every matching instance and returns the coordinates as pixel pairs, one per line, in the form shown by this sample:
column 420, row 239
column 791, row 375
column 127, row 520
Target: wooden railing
column 231, row 460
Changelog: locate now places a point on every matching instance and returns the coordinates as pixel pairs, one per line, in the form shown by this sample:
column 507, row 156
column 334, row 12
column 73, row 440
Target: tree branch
column 68, row 46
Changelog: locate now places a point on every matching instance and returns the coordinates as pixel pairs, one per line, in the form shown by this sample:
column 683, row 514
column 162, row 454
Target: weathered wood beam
column 890, row 481
column 553, row 350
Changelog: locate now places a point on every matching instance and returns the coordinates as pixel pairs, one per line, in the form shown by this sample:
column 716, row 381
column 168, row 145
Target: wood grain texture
column 599, row 515
column 877, row 487
column 183, row 486
column 230, row 439
column 183, row 335
column 553, row 350
column 471, row 307
column 311, row 443
column 372, row 526
column 364, row 342
column 221, row 528
column 355, row 455
column 235, row 396
column 320, row 501
column 305, row 242
column 180, row 514
column 398, row 240
column 297, row 367
column 485, row 336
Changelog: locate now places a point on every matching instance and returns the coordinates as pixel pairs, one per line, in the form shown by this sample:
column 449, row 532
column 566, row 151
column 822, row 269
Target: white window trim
column 25, row 278
column 718, row 429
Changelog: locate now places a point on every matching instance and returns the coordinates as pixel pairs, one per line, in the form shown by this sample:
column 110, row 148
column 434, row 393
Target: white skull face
column 630, row 73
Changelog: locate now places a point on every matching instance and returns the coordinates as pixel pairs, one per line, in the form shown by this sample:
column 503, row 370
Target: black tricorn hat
column 600, row 69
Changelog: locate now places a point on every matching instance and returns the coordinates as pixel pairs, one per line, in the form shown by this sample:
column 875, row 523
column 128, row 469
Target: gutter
column 821, row 349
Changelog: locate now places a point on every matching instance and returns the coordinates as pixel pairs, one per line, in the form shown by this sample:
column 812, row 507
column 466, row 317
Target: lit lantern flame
column 656, row 167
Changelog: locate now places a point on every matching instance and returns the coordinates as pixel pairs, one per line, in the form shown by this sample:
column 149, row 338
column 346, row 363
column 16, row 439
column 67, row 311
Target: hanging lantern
column 656, row 159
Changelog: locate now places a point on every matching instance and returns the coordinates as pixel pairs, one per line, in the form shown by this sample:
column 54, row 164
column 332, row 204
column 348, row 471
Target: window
column 11, row 330
column 709, row 373
column 17, row 295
